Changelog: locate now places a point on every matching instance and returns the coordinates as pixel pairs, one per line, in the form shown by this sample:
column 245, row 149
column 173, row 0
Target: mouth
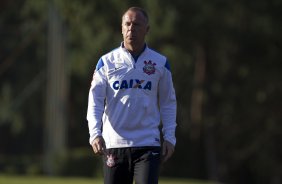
column 131, row 37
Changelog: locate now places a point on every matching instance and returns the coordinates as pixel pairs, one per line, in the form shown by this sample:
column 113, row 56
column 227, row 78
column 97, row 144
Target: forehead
column 133, row 16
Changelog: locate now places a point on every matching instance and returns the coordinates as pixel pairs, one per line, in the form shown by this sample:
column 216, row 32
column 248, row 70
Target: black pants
column 122, row 165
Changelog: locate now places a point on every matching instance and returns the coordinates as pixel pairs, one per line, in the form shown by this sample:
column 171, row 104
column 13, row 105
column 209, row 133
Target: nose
column 131, row 27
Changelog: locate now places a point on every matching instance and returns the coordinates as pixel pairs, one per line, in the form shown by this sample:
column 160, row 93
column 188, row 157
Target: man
column 131, row 93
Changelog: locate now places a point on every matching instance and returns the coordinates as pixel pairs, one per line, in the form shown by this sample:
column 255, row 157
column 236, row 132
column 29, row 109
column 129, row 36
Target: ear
column 121, row 29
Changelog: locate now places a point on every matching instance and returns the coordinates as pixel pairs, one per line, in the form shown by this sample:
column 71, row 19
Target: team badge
column 149, row 67
column 111, row 160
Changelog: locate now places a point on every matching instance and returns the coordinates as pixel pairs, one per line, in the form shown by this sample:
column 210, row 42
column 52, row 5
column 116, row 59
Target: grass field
column 72, row 180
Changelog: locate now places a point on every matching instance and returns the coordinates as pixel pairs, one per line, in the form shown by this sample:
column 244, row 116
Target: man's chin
column 131, row 41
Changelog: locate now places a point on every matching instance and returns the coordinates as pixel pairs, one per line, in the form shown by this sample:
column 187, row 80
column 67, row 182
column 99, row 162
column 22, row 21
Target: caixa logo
column 132, row 83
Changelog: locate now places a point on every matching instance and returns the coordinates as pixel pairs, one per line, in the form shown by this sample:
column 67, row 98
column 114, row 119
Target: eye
column 127, row 24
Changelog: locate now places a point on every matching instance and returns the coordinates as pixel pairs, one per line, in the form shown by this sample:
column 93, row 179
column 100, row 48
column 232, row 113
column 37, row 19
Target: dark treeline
column 225, row 59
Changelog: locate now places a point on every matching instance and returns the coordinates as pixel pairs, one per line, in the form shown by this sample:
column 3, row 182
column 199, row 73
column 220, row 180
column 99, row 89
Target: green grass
column 10, row 179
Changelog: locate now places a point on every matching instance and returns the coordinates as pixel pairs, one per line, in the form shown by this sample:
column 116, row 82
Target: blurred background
column 226, row 63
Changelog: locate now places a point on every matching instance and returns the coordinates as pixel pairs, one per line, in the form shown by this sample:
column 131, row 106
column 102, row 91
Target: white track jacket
column 129, row 98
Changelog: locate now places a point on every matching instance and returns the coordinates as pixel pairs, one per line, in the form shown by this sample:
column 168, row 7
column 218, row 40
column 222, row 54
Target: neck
column 135, row 50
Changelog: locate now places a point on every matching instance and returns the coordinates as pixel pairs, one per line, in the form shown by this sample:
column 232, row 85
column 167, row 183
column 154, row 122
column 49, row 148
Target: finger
column 164, row 149
column 103, row 151
column 98, row 147
column 168, row 152
column 103, row 148
column 166, row 157
column 164, row 152
column 94, row 148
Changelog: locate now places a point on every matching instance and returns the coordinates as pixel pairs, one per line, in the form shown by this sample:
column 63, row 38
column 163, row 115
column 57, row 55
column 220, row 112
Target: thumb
column 164, row 148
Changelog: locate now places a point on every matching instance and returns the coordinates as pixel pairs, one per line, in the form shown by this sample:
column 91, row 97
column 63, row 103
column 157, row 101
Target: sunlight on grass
column 182, row 181
column 46, row 180
column 10, row 179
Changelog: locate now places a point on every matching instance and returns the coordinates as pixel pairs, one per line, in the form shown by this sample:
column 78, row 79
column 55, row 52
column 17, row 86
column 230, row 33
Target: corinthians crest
column 149, row 67
column 111, row 160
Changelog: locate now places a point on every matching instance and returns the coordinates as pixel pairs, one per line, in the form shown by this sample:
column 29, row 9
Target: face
column 134, row 28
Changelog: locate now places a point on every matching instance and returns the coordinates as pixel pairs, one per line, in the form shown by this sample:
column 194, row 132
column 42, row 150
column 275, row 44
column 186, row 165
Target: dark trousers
column 123, row 165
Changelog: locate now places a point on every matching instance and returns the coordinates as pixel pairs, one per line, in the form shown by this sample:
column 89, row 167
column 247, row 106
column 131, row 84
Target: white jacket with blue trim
column 129, row 98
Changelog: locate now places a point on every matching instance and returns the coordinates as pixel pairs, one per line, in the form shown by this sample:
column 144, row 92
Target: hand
column 98, row 145
column 168, row 150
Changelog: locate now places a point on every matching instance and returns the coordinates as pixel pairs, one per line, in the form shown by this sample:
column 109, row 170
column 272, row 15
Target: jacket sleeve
column 167, row 103
column 96, row 101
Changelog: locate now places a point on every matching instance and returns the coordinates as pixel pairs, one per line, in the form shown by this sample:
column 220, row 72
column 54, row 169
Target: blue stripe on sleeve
column 167, row 65
column 100, row 64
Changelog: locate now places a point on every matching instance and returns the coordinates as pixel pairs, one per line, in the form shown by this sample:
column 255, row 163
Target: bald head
column 137, row 10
